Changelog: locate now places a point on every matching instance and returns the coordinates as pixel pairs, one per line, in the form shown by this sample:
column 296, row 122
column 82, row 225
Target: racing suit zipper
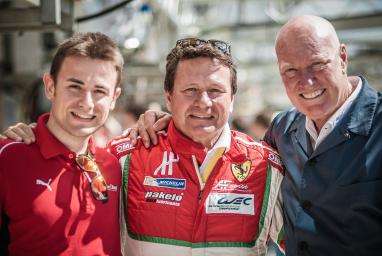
column 201, row 183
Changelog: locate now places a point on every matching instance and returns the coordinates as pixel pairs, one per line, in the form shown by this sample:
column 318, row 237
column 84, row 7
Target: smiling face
column 81, row 98
column 312, row 65
column 201, row 100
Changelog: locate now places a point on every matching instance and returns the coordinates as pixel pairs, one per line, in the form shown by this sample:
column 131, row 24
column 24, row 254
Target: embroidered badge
column 241, row 171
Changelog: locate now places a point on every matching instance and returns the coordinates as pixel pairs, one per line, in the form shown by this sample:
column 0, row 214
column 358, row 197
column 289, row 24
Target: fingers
column 162, row 123
column 20, row 132
column 150, row 119
column 132, row 134
column 142, row 131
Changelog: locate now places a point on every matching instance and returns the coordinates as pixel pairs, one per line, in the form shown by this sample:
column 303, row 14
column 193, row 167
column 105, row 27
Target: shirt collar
column 49, row 145
column 332, row 121
column 183, row 145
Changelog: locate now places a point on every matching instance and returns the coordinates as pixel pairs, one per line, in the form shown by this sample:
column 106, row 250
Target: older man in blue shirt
column 331, row 145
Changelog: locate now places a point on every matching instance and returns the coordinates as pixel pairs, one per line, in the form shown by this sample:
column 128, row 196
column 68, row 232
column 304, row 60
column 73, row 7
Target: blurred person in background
column 131, row 113
column 260, row 125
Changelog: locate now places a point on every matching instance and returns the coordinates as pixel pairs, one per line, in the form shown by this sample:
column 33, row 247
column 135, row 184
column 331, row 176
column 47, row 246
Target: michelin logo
column 165, row 182
column 230, row 203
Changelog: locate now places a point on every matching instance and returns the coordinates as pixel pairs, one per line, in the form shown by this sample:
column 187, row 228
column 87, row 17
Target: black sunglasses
column 195, row 42
column 94, row 176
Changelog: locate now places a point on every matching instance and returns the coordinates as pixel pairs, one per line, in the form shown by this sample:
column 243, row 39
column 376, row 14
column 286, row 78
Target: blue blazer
column 333, row 195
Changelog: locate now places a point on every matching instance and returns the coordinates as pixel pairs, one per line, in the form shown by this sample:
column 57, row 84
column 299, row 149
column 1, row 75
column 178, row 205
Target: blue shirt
column 333, row 195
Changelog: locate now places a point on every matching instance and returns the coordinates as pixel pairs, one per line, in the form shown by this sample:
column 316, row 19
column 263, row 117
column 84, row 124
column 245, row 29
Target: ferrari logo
column 241, row 171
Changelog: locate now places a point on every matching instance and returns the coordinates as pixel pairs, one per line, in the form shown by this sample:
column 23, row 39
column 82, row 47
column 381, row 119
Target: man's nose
column 203, row 99
column 307, row 78
column 87, row 101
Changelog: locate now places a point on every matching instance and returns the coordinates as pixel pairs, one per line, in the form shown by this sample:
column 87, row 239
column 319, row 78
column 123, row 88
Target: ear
column 117, row 93
column 344, row 58
column 231, row 105
column 49, row 86
column 168, row 100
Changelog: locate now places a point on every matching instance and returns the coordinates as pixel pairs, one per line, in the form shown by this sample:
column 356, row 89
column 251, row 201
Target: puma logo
column 46, row 184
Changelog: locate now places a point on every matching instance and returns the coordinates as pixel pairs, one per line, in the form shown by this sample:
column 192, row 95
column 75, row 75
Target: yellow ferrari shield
column 241, row 171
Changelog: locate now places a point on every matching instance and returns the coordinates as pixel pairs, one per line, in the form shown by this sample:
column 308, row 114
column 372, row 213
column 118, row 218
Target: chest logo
column 167, row 161
column 46, row 184
column 241, row 171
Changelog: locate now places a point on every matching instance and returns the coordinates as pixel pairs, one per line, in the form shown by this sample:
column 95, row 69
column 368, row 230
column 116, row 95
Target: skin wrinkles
column 314, row 69
column 201, row 100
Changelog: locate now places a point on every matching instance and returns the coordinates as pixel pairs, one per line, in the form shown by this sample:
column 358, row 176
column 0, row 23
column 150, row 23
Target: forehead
column 202, row 70
column 300, row 51
column 87, row 69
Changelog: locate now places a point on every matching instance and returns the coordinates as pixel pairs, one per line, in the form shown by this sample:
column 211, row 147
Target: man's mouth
column 83, row 116
column 312, row 95
column 203, row 117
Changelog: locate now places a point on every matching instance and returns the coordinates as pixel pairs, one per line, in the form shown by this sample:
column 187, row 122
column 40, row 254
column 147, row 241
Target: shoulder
column 120, row 147
column 10, row 147
column 260, row 150
column 285, row 119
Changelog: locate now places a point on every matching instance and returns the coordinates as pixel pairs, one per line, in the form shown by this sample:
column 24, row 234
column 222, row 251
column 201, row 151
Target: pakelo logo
column 164, row 198
column 230, row 203
column 123, row 147
column 274, row 158
column 165, row 182
column 229, row 185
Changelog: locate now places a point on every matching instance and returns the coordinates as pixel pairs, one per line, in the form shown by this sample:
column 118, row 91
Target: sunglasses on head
column 94, row 176
column 195, row 42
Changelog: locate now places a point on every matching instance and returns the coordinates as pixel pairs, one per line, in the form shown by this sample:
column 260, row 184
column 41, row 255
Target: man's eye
column 290, row 72
column 215, row 92
column 100, row 92
column 74, row 86
column 189, row 91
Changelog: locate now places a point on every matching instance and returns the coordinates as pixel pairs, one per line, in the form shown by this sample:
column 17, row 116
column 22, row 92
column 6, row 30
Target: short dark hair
column 179, row 53
column 94, row 45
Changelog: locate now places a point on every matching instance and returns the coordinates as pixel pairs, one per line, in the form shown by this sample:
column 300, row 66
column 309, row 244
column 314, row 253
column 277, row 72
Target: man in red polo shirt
column 59, row 196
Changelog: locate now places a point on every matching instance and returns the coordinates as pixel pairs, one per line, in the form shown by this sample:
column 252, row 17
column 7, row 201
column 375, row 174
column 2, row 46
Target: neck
column 351, row 85
column 76, row 144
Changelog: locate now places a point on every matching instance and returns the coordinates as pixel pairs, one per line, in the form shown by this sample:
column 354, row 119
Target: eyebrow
column 75, row 81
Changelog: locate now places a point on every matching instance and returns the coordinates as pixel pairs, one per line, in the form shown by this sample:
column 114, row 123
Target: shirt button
column 306, row 204
column 312, row 161
column 303, row 246
column 71, row 156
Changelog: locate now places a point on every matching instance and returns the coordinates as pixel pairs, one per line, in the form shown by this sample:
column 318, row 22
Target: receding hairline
column 313, row 26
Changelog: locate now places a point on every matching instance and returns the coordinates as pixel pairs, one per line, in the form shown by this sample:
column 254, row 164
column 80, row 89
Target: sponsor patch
column 229, row 185
column 165, row 182
column 241, row 171
column 274, row 158
column 123, row 147
column 230, row 203
column 164, row 198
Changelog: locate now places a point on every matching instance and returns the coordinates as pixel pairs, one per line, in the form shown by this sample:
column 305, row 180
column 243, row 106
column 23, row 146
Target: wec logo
column 230, row 203
column 237, row 200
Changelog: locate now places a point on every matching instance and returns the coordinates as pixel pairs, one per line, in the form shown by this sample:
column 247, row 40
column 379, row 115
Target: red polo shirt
column 49, row 201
